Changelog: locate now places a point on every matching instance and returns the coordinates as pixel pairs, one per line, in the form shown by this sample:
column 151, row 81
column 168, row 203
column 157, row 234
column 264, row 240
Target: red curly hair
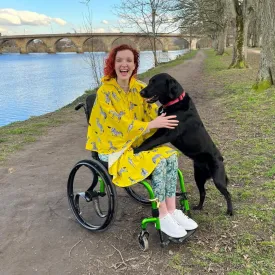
column 109, row 69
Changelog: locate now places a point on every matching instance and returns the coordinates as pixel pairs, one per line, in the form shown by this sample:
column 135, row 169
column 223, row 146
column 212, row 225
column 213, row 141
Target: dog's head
column 162, row 88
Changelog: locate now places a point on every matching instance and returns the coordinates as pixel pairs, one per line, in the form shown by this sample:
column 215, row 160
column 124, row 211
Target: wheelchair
column 94, row 203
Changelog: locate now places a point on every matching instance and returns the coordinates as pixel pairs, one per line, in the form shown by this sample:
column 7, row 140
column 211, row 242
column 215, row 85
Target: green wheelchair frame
column 144, row 235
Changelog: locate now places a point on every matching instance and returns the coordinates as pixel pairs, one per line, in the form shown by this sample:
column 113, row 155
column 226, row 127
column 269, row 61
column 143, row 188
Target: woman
column 120, row 121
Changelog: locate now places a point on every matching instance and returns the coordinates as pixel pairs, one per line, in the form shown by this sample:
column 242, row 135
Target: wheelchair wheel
column 138, row 193
column 143, row 240
column 92, row 195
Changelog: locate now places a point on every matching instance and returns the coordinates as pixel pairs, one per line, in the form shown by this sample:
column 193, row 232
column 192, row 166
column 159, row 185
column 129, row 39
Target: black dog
column 190, row 136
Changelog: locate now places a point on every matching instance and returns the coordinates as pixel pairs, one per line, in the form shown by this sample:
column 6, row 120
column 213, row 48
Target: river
column 35, row 84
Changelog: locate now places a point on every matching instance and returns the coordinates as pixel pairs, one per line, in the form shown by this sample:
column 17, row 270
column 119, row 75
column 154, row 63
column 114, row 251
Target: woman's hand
column 163, row 121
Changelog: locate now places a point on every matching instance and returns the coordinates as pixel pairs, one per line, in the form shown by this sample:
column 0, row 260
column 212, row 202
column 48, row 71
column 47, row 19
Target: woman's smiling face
column 124, row 64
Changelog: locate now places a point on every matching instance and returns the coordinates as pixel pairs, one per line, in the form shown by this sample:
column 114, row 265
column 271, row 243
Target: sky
column 56, row 16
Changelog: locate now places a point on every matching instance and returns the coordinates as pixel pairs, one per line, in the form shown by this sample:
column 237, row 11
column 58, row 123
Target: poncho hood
column 112, row 81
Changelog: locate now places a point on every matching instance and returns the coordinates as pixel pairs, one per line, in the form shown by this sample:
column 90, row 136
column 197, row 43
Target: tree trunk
column 155, row 52
column 215, row 42
column 256, row 34
column 239, row 60
column 154, row 34
column 245, row 37
column 255, row 43
column 227, row 39
column 266, row 74
column 190, row 38
column 221, row 42
column 225, row 36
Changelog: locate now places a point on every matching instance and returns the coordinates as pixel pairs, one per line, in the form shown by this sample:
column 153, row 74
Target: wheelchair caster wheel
column 143, row 240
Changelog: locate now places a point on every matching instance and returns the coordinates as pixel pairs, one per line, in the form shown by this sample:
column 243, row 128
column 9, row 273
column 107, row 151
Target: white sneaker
column 171, row 228
column 183, row 220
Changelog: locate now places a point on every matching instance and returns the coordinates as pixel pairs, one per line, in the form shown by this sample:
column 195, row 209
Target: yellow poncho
column 118, row 123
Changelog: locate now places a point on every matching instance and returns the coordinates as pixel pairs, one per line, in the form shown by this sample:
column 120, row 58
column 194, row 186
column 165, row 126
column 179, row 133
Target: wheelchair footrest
column 168, row 239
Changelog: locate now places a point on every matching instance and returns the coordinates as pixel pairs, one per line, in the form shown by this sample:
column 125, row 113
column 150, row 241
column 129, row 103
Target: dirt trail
column 38, row 233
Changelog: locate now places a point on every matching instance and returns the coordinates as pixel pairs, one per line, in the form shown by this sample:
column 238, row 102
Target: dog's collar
column 175, row 100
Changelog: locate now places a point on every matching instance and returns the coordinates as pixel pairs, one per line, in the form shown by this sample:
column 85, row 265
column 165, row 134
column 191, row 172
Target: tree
column 266, row 74
column 150, row 17
column 216, row 18
column 205, row 16
column 188, row 16
column 93, row 60
column 254, row 28
column 242, row 11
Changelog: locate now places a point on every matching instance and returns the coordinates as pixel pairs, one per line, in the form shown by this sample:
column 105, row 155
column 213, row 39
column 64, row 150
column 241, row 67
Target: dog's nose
column 142, row 92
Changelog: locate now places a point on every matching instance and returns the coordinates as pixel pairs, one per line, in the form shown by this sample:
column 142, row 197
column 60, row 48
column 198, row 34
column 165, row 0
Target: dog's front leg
column 160, row 137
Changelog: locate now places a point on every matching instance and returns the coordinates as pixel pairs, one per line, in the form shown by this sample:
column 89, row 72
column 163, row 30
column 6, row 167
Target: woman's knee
column 173, row 161
column 161, row 166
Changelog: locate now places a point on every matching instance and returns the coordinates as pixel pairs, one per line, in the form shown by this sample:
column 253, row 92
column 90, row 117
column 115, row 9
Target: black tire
column 137, row 197
column 91, row 195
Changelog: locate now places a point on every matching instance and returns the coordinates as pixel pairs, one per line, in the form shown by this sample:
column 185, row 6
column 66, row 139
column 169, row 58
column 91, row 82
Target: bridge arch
column 9, row 46
column 65, row 44
column 94, row 44
column 4, row 41
column 123, row 40
column 180, row 43
column 35, row 46
column 145, row 44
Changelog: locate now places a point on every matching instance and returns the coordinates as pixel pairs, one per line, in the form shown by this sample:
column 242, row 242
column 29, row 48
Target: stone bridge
column 103, row 42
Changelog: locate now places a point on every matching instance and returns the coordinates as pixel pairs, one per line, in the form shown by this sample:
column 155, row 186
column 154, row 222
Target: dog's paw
column 136, row 150
column 229, row 212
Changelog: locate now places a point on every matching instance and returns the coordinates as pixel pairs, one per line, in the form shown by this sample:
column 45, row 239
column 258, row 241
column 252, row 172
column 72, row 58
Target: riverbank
column 15, row 136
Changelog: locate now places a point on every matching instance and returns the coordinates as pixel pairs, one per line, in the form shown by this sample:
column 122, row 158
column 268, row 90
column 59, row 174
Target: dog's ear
column 172, row 88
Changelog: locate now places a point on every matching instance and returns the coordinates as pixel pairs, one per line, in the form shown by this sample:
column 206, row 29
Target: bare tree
column 188, row 16
column 93, row 60
column 215, row 16
column 209, row 17
column 266, row 74
column 150, row 17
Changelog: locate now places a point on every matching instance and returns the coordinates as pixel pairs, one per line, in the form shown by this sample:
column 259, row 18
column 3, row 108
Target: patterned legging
column 164, row 177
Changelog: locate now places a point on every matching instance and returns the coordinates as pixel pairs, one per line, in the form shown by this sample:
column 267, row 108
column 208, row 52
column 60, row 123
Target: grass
column 163, row 66
column 245, row 243
column 14, row 136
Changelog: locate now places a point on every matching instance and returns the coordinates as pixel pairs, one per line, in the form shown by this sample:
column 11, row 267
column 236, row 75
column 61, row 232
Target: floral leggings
column 164, row 177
